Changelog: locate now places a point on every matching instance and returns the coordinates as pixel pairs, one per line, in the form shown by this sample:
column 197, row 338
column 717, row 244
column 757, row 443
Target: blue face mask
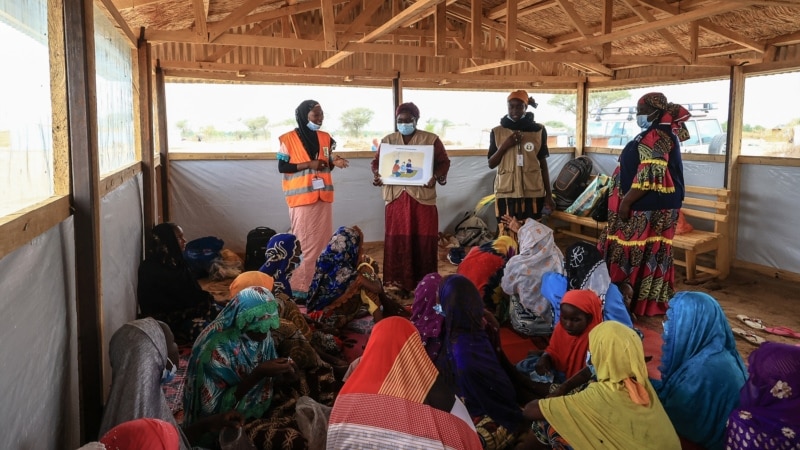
column 313, row 127
column 590, row 365
column 168, row 375
column 437, row 308
column 642, row 121
column 406, row 129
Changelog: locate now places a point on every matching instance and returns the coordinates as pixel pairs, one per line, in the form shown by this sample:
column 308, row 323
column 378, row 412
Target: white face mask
column 313, row 127
column 642, row 121
column 168, row 375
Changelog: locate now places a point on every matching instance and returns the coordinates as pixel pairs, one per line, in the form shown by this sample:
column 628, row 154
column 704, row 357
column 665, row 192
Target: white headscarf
column 538, row 254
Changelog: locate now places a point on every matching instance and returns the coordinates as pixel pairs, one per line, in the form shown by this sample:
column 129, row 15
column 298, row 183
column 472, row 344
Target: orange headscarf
column 251, row 278
column 520, row 95
column 569, row 352
column 151, row 434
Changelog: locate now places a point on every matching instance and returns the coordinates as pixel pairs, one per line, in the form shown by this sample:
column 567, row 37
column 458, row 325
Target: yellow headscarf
column 620, row 410
column 504, row 244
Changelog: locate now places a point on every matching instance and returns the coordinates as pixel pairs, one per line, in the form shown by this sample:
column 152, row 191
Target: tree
column 597, row 100
column 183, row 126
column 444, row 124
column 353, row 120
column 257, row 125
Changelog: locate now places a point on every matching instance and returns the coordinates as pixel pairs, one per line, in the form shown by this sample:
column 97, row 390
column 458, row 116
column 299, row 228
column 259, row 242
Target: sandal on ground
column 751, row 322
column 748, row 336
column 783, row 331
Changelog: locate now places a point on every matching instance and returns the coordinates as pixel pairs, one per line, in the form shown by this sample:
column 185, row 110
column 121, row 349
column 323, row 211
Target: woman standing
column 306, row 159
column 518, row 149
column 412, row 221
column 643, row 206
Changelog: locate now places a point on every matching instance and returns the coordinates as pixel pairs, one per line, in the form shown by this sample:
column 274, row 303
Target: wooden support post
column 397, row 97
column 163, row 142
column 580, row 117
column 83, row 144
column 146, row 133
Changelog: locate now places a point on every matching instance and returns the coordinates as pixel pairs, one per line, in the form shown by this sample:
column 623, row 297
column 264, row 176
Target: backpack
column 257, row 240
column 472, row 230
column 571, row 181
column 201, row 253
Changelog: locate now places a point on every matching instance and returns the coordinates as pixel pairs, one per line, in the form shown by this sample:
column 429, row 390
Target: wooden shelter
column 68, row 262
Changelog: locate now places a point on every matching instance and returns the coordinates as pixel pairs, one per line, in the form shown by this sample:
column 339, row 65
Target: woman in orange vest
column 306, row 159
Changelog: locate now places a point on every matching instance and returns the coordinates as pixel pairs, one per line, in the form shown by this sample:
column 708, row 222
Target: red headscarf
column 569, row 352
column 142, row 434
column 409, row 108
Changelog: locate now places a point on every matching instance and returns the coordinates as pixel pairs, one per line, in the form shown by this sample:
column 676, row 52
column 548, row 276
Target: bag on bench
column 571, row 181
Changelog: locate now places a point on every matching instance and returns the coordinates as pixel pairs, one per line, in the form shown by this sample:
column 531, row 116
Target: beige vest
column 512, row 180
column 426, row 196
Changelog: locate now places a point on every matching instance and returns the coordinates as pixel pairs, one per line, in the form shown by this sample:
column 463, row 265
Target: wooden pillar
column 581, row 113
column 145, row 111
column 732, row 167
column 83, row 144
column 163, row 150
column 397, row 97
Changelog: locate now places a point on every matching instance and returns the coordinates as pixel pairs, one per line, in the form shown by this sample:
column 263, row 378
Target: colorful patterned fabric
column 152, row 434
column 224, row 354
column 427, row 321
column 639, row 251
column 282, row 248
column 548, row 435
column 472, row 364
column 336, row 269
column 484, row 266
column 701, row 371
column 538, row 254
column 621, row 409
column 396, row 398
column 568, row 352
column 768, row 415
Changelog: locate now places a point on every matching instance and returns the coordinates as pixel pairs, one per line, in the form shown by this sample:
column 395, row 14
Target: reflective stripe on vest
column 297, row 186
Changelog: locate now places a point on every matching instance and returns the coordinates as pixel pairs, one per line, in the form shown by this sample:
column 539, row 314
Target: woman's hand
column 543, row 365
column 624, row 212
column 514, row 139
column 230, row 419
column 511, row 223
column 376, row 179
column 275, row 367
column 430, row 182
column 549, row 202
column 559, row 392
column 317, row 164
column 340, row 162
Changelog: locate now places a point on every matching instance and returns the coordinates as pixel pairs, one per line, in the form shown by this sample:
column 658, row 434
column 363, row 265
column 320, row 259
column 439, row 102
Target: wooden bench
column 700, row 203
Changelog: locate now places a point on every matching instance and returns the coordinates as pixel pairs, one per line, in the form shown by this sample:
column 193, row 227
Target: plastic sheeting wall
column 768, row 217
column 695, row 173
column 39, row 374
column 121, row 244
column 228, row 198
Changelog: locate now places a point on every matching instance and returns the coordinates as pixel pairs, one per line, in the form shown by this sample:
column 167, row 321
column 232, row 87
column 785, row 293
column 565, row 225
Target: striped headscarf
column 671, row 114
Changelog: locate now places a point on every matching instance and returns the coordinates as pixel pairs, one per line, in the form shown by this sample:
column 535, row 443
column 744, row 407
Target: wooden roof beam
column 720, row 7
column 489, row 66
column 475, row 19
column 440, row 29
column 232, row 19
column 524, row 7
column 111, row 8
column 511, row 29
column 200, row 16
column 328, row 24
column 642, row 12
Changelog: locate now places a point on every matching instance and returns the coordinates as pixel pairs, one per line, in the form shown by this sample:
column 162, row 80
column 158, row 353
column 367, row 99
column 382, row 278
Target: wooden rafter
column 218, row 28
column 112, row 9
column 476, row 27
column 511, row 28
column 500, row 11
column 441, row 28
column 489, row 66
column 200, row 16
column 328, row 25
column 606, row 25
column 648, row 17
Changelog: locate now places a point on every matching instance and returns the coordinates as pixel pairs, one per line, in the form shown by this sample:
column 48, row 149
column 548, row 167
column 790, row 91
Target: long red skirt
column 639, row 251
column 411, row 244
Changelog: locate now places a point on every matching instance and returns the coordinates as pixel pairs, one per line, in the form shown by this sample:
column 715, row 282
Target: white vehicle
column 615, row 126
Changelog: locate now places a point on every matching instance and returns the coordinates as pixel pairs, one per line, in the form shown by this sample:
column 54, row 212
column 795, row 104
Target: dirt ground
column 776, row 302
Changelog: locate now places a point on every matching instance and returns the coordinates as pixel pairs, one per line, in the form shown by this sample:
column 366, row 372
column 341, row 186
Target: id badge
column 317, row 183
column 520, row 160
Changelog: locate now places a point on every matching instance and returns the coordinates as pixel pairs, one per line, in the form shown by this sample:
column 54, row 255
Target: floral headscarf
column 224, row 354
column 428, row 322
column 769, row 402
column 672, row 114
column 336, row 268
column 281, row 248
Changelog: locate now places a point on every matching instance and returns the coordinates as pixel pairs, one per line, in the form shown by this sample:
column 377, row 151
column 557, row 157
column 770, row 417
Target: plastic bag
column 235, row 439
column 591, row 197
column 683, row 226
column 312, row 420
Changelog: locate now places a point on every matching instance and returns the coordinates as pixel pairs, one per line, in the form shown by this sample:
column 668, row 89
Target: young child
column 627, row 295
column 565, row 356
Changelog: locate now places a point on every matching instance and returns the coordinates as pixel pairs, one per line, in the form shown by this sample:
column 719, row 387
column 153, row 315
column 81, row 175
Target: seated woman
column 585, row 268
column 345, row 286
column 531, row 313
column 284, row 255
column 484, row 266
column 317, row 380
column 429, row 322
column 142, row 354
column 768, row 415
column 234, row 365
column 395, row 376
column 167, row 289
column 620, row 410
column 701, row 371
column 472, row 368
column 564, row 360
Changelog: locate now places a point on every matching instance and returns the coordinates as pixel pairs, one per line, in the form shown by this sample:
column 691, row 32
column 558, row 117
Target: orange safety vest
column 297, row 186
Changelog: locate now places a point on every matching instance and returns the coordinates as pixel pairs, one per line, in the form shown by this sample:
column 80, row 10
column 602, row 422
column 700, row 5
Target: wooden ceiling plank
column 489, row 66
column 287, row 25
column 787, row 39
column 441, row 29
column 541, row 6
column 363, row 18
column 343, row 13
column 606, row 25
column 511, row 28
column 200, row 16
column 232, row 19
column 733, row 36
column 328, row 25
column 476, row 26
column 499, row 11
column 720, row 7
column 464, row 14
column 111, row 8
column 128, row 4
column 694, row 41
column 574, row 18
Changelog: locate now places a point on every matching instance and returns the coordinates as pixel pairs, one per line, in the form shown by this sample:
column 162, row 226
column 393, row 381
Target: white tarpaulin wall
column 226, row 199
column 39, row 374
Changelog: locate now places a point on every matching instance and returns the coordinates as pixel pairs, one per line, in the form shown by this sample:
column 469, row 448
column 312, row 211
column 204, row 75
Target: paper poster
column 410, row 165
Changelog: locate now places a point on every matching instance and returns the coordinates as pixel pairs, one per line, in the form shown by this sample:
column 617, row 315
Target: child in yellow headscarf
column 620, row 410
